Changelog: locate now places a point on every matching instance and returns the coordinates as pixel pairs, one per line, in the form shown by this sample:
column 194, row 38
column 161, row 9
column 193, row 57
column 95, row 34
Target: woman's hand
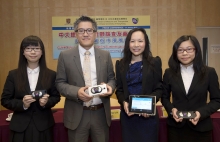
column 174, row 111
column 144, row 115
column 27, row 100
column 44, row 100
column 126, row 109
column 196, row 119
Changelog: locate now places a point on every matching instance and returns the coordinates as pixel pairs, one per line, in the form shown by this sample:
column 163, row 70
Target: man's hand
column 82, row 95
column 109, row 91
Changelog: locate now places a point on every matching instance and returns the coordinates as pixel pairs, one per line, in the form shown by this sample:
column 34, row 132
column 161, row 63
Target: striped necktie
column 87, row 74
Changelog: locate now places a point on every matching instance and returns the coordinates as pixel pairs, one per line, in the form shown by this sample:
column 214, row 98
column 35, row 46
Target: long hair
column 23, row 63
column 198, row 64
column 127, row 54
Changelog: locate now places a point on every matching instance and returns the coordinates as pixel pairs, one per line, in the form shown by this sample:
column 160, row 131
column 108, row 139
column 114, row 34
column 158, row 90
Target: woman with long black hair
column 189, row 81
column 32, row 118
column 138, row 73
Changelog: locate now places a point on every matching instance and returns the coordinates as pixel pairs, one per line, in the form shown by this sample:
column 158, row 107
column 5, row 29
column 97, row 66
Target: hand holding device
column 27, row 100
column 38, row 94
column 97, row 90
column 186, row 114
column 141, row 104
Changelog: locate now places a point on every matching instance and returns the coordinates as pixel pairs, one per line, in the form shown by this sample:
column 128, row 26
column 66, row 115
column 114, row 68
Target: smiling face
column 32, row 53
column 137, row 43
column 86, row 40
column 185, row 57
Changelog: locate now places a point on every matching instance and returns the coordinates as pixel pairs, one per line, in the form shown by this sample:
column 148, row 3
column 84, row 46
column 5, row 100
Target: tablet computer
column 142, row 104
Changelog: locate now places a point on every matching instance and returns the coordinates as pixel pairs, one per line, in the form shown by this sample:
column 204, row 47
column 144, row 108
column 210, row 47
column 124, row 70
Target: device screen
column 142, row 103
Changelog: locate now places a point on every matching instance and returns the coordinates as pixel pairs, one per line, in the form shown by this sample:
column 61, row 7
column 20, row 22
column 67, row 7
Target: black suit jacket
column 151, row 80
column 12, row 99
column 195, row 100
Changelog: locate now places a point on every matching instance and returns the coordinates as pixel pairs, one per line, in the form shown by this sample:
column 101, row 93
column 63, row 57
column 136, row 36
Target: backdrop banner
column 111, row 34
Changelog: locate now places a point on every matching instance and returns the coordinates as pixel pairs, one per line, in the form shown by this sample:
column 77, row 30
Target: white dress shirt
column 96, row 99
column 187, row 76
column 33, row 77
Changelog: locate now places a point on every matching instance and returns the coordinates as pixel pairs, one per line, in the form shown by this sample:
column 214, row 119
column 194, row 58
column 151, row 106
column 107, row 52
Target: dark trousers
column 186, row 134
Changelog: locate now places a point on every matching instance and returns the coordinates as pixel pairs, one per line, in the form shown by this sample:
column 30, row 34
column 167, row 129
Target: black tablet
column 142, row 104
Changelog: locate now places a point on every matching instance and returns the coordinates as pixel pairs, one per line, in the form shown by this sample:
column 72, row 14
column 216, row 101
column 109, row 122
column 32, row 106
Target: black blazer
column 12, row 99
column 151, row 80
column 195, row 100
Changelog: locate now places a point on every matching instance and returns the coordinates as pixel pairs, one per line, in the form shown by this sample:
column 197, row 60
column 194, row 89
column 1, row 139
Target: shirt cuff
column 25, row 108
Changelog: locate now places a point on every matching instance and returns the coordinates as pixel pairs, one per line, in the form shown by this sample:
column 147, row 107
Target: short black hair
column 85, row 19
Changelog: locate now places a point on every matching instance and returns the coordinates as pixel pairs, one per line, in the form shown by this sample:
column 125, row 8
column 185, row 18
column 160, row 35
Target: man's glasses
column 82, row 31
column 28, row 49
column 188, row 50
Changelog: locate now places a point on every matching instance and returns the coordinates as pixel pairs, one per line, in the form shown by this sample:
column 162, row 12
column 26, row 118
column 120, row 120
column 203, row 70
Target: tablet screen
column 142, row 104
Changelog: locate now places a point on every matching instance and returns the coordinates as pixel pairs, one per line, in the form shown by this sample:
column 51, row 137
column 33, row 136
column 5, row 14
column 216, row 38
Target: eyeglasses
column 28, row 49
column 188, row 50
column 82, row 31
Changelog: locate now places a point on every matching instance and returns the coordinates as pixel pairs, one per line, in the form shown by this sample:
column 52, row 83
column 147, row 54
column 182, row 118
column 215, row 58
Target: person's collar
column 83, row 50
column 36, row 70
column 184, row 67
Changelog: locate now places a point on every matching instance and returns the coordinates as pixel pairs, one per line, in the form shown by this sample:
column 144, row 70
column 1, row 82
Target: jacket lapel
column 98, row 64
column 179, row 81
column 39, row 86
column 76, row 59
column 123, row 78
column 195, row 81
column 145, row 70
column 27, row 86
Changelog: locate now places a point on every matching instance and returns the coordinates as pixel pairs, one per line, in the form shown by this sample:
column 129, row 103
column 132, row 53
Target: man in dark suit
column 80, row 119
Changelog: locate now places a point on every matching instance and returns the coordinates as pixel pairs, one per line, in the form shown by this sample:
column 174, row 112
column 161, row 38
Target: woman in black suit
column 32, row 118
column 138, row 73
column 189, row 81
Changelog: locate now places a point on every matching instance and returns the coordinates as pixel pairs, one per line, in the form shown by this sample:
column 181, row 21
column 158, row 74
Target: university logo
column 68, row 21
column 135, row 20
